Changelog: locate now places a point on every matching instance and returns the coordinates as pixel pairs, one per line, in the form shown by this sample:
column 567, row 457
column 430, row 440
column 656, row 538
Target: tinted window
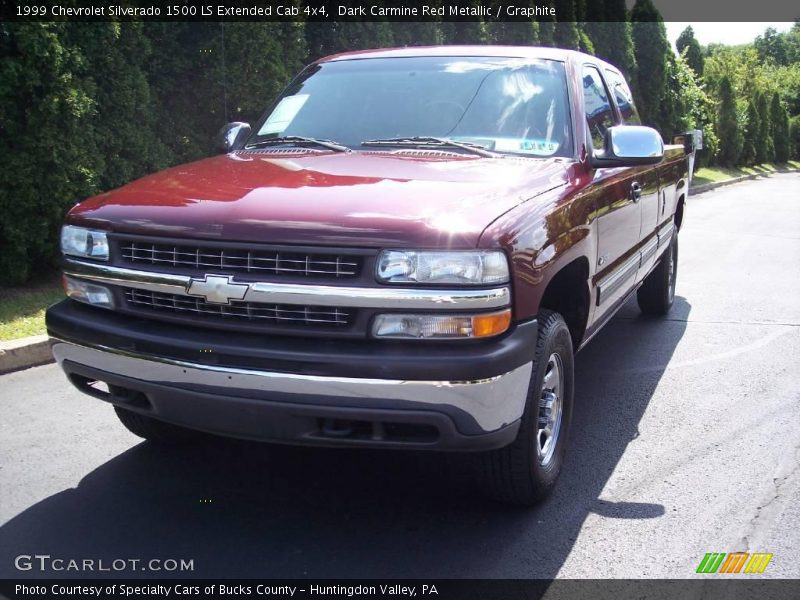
column 623, row 98
column 599, row 114
column 505, row 104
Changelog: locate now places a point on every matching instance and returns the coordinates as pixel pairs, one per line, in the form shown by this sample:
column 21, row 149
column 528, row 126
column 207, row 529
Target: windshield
column 504, row 104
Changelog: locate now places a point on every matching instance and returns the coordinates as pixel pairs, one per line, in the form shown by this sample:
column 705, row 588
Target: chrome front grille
column 275, row 314
column 240, row 260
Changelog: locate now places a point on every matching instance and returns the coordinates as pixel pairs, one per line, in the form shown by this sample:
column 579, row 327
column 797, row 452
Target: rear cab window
column 623, row 98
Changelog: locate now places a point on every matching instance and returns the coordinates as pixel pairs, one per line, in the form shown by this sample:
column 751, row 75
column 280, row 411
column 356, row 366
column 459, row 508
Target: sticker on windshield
column 283, row 114
column 533, row 145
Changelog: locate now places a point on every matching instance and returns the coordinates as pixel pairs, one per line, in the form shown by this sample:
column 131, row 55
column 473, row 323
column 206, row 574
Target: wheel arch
column 568, row 294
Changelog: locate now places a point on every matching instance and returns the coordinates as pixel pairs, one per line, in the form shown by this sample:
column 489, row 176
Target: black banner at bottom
column 445, row 589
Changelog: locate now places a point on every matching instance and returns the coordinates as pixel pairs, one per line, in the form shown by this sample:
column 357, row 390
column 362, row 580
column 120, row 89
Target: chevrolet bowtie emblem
column 217, row 289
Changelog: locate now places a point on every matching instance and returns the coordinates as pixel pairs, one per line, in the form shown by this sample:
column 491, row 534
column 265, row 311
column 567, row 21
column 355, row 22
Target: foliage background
column 86, row 107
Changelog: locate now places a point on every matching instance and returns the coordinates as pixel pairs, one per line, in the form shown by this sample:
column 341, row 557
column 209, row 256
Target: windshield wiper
column 432, row 141
column 300, row 140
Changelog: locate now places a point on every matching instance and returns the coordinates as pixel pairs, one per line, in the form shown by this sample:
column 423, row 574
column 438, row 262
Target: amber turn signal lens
column 491, row 324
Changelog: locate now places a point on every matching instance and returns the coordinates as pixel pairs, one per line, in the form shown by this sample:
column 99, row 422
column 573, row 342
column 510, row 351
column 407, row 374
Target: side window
column 599, row 114
column 623, row 98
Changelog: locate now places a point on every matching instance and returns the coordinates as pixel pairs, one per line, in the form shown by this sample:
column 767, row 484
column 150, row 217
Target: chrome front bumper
column 494, row 403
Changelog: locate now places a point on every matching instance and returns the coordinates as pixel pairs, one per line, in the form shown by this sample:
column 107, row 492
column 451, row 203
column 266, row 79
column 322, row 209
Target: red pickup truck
column 406, row 251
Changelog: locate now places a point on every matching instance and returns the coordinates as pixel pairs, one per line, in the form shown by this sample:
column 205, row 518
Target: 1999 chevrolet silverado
column 406, row 251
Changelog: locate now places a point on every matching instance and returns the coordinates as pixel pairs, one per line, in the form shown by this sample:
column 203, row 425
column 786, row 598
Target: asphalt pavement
column 685, row 440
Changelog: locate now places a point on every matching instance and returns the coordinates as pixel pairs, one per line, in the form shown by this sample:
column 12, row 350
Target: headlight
column 90, row 293
column 86, row 243
column 477, row 267
column 420, row 326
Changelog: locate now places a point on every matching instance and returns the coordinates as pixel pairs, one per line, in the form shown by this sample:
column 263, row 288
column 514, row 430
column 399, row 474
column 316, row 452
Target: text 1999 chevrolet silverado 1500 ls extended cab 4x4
column 405, row 252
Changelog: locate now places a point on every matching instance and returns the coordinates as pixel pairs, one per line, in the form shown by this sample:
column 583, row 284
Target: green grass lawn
column 22, row 309
column 715, row 174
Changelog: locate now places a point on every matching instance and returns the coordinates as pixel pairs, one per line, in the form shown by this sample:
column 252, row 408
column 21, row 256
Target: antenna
column 224, row 75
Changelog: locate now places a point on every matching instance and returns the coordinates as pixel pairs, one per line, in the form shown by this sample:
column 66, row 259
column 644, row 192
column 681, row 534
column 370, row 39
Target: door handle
column 636, row 191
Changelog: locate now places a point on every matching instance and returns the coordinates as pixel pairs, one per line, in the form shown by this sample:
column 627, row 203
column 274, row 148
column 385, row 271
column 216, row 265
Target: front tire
column 154, row 430
column 657, row 293
column 525, row 471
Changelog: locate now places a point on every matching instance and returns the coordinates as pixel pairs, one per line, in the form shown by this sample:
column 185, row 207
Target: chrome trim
column 612, row 282
column 665, row 233
column 292, row 293
column 648, row 250
column 492, row 402
column 140, row 280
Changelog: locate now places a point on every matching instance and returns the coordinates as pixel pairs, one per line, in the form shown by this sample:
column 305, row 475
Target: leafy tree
column 652, row 52
column 787, row 81
column 688, row 45
column 751, row 132
column 780, row 129
column 730, row 141
column 513, row 33
column 771, row 47
column 691, row 107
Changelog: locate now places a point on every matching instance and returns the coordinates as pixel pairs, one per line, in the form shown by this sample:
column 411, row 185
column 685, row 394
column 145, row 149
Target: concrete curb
column 23, row 353
column 699, row 189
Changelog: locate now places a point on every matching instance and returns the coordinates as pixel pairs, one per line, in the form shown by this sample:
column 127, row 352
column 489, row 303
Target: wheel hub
column 550, row 410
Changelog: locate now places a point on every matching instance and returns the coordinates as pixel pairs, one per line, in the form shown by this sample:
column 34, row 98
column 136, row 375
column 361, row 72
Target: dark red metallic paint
column 545, row 213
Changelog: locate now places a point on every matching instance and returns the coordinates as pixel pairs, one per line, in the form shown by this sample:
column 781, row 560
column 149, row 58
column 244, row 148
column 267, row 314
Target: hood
column 405, row 198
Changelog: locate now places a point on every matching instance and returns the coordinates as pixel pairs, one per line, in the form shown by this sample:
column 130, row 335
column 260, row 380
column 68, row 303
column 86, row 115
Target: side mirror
column 630, row 146
column 232, row 137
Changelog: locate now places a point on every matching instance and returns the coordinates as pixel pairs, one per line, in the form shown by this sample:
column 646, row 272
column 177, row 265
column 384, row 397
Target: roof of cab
column 499, row 51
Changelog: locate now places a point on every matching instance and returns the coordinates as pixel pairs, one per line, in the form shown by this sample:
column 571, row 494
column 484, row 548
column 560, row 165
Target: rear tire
column 657, row 293
column 154, row 430
column 524, row 472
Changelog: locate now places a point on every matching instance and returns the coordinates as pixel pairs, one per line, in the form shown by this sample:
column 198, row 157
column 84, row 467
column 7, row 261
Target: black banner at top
column 370, row 10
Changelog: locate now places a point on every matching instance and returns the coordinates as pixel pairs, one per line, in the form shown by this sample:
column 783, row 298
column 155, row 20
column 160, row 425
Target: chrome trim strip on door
column 614, row 280
column 649, row 249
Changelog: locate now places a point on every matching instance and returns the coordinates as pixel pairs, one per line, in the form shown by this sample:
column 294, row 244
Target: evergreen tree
column 794, row 137
column 547, row 31
column 332, row 37
column 513, row 33
column 730, row 141
column 765, row 147
column 752, row 128
column 50, row 160
column 670, row 110
column 125, row 114
column 611, row 36
column 688, row 44
column 652, row 52
column 465, row 32
column 584, row 41
column 566, row 33
column 425, row 33
column 780, row 129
